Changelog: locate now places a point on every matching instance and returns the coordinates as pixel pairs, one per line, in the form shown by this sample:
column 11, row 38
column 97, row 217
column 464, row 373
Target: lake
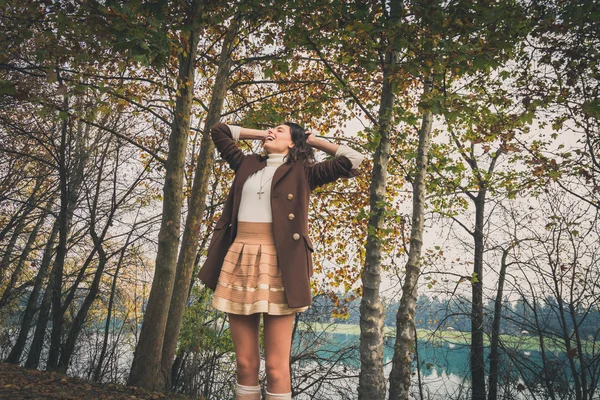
column 444, row 365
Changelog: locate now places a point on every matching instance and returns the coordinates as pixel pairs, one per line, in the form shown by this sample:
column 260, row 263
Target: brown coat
column 290, row 189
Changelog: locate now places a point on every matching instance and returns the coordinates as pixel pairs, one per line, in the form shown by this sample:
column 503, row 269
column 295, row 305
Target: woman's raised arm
column 241, row 133
column 328, row 171
column 224, row 136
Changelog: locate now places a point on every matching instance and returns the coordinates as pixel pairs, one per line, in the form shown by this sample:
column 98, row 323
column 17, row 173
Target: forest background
column 480, row 191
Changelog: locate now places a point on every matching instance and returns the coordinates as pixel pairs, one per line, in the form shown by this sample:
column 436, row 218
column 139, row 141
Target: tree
column 561, row 278
column 372, row 381
column 447, row 41
column 146, row 368
column 558, row 80
column 189, row 247
column 406, row 330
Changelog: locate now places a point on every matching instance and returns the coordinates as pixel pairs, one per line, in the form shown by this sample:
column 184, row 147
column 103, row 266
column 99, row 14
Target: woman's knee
column 278, row 368
column 248, row 364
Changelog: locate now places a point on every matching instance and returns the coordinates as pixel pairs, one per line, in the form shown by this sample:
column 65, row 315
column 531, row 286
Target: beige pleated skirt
column 250, row 280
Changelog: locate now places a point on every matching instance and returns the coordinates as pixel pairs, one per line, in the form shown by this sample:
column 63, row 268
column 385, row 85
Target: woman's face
column 279, row 140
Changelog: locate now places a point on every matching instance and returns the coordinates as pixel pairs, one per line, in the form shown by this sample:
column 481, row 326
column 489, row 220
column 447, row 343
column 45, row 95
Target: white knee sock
column 279, row 396
column 247, row 391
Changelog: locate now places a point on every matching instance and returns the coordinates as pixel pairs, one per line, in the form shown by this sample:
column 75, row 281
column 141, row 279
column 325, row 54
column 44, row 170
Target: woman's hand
column 320, row 144
column 311, row 139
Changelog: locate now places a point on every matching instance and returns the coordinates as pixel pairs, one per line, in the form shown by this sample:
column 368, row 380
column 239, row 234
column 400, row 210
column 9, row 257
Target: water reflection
column 444, row 365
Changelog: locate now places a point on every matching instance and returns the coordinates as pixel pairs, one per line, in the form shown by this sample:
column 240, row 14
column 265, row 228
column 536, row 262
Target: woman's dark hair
column 301, row 150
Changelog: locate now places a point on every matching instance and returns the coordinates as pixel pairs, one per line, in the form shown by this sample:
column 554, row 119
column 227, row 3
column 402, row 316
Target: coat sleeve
column 226, row 146
column 328, row 171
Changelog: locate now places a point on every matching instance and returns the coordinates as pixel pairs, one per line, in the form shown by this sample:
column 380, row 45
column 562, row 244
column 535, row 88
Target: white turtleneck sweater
column 255, row 207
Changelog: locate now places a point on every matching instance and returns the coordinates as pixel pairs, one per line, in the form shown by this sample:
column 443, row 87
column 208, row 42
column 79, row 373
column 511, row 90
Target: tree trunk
column 71, row 178
column 8, row 255
column 81, row 275
column 47, row 301
column 548, row 378
column 566, row 335
column 98, row 240
column 189, row 245
column 69, row 196
column 371, row 379
column 495, row 340
column 476, row 357
column 69, row 346
column 61, row 252
column 24, row 255
column 98, row 370
column 372, row 382
column 583, row 365
column 17, row 219
column 37, row 343
column 17, row 350
column 146, row 368
column 21, row 222
column 404, row 348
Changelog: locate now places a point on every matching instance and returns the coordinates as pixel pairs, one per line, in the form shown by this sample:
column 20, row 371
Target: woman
column 260, row 256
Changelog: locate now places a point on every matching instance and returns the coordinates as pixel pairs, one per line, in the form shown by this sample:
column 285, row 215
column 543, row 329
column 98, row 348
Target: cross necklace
column 260, row 191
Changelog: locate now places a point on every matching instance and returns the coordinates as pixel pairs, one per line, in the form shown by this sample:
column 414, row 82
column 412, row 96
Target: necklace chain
column 260, row 191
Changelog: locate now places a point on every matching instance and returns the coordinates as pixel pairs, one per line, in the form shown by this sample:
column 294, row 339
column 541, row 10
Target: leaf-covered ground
column 20, row 383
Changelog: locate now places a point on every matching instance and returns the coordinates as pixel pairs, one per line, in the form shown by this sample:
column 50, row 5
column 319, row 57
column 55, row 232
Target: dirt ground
column 20, row 383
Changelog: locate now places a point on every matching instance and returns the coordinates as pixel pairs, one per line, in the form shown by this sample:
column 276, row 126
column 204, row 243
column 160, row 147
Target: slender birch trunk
column 372, row 382
column 567, row 337
column 495, row 339
column 98, row 370
column 39, row 335
column 548, row 376
column 371, row 379
column 404, row 347
column 20, row 221
column 146, row 368
column 61, row 252
column 189, row 245
column 16, row 219
column 98, row 240
column 24, row 255
column 51, row 307
column 17, row 350
column 476, row 357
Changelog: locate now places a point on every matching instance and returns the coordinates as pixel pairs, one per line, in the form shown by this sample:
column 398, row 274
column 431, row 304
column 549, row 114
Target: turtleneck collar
column 275, row 159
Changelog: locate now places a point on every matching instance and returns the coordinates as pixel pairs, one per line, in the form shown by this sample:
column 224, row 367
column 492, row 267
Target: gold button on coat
column 291, row 216
column 296, row 236
column 290, row 196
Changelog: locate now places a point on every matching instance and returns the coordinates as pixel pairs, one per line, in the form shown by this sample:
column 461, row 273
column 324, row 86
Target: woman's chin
column 268, row 148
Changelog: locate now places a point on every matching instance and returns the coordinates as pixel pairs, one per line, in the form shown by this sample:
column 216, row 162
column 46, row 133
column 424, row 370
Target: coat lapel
column 280, row 173
column 245, row 173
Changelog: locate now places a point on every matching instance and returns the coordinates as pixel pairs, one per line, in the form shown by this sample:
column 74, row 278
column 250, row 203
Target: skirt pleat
column 250, row 280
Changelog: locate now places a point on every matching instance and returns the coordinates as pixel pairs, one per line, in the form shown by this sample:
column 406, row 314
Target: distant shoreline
column 523, row 342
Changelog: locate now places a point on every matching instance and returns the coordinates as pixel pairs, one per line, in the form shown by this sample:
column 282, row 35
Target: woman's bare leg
column 278, row 344
column 244, row 333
